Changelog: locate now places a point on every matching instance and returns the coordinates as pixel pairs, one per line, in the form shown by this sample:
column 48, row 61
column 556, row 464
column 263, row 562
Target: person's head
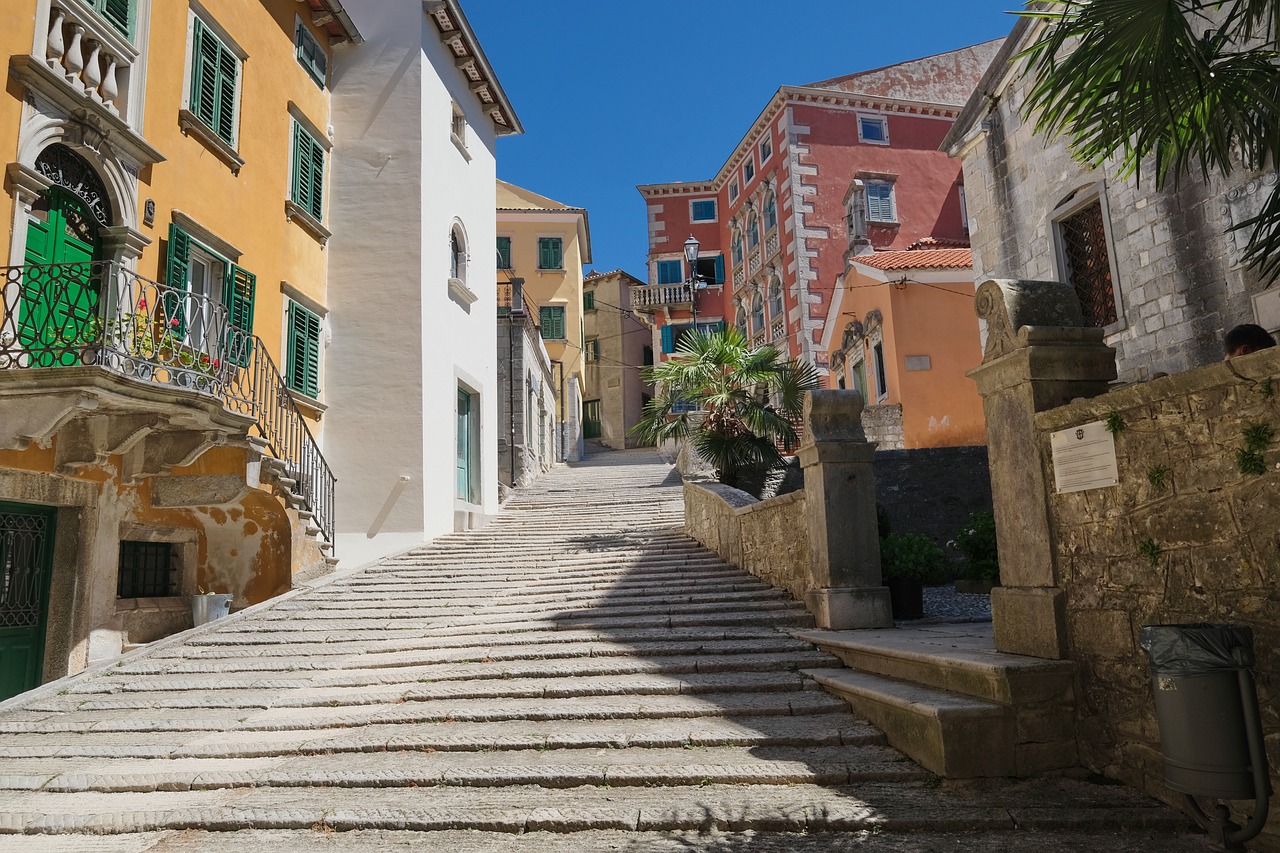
column 1247, row 338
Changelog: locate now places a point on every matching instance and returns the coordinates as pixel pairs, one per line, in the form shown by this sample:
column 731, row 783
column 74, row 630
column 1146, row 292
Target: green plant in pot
column 908, row 561
column 977, row 541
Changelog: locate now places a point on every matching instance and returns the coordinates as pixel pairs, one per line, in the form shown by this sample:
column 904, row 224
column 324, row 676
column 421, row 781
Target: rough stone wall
column 1211, row 535
column 932, row 491
column 759, row 537
column 1176, row 275
column 883, row 425
column 522, row 360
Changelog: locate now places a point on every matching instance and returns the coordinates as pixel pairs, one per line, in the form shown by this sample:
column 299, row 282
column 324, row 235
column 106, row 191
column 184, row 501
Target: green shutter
column 303, row 369
column 228, row 70
column 177, row 275
column 668, row 339
column 589, row 300
column 214, row 71
column 308, row 172
column 238, row 292
column 504, row 253
column 551, row 319
column 550, row 253
column 119, row 13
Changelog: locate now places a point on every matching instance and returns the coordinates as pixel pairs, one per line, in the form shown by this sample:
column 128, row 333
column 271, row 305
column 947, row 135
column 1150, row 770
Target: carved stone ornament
column 1009, row 304
column 67, row 169
column 833, row 416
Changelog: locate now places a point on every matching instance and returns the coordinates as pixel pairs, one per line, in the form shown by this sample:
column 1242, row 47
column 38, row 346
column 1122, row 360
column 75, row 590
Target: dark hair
column 1248, row 335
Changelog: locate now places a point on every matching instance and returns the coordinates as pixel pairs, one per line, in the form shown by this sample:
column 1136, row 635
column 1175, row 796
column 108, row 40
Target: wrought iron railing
column 101, row 314
column 512, row 294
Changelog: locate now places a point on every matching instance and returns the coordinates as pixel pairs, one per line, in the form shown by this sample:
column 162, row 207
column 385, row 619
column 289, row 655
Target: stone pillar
column 1039, row 355
column 845, row 589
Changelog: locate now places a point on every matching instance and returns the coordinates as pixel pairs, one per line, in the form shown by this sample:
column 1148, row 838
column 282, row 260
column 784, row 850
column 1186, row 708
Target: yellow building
column 162, row 315
column 546, row 244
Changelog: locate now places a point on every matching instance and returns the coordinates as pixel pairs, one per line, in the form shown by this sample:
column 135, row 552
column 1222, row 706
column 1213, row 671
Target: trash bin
column 1195, row 677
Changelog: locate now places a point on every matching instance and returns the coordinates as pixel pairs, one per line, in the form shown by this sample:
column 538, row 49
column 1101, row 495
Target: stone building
column 618, row 346
column 526, row 391
column 1158, row 270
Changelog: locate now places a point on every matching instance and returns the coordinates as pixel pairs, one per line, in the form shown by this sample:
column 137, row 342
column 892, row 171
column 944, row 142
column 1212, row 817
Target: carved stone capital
column 1009, row 304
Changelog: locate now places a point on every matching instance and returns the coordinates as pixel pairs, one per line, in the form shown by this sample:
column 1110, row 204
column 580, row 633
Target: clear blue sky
column 614, row 93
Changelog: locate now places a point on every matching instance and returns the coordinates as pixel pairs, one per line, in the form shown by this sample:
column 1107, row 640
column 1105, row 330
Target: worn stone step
column 955, row 736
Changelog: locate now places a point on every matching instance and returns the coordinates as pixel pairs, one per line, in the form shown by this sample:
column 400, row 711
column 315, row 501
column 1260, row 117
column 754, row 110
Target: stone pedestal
column 840, row 494
column 1039, row 355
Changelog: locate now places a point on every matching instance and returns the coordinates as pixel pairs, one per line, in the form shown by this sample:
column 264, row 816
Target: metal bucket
column 206, row 608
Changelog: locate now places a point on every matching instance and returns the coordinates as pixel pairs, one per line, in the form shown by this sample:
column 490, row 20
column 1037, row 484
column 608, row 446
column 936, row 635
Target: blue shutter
column 719, row 269
column 668, row 339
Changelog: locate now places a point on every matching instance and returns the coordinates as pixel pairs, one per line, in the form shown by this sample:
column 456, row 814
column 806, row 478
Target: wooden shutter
column 719, row 269
column 214, row 72
column 304, row 351
column 668, row 339
column 308, row 172
column 228, row 71
column 551, row 319
column 120, row 14
column 238, row 291
column 177, row 275
column 504, row 253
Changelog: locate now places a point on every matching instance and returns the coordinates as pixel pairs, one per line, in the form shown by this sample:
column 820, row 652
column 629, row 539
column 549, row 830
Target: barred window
column 1088, row 264
column 148, row 570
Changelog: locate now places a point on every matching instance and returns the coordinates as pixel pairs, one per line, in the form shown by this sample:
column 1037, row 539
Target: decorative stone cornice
column 457, row 35
column 1009, row 304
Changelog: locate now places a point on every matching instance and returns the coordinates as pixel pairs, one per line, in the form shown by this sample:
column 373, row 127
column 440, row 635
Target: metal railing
column 101, row 314
column 512, row 295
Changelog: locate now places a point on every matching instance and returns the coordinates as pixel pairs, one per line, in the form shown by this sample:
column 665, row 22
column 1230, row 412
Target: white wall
column 400, row 345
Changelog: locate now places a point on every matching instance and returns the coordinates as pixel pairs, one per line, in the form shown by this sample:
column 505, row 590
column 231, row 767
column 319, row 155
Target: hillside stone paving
column 578, row 676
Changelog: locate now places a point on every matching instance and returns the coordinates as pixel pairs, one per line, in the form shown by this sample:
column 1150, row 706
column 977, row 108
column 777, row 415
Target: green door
column 465, row 444
column 26, row 562
column 59, row 303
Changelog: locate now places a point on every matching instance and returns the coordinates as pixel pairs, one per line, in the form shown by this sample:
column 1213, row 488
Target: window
column 1087, row 262
column 592, row 349
column 148, row 570
column 770, row 212
column 468, row 432
column 737, row 248
column 711, row 269
column 310, row 55
column 672, row 335
column 588, row 300
column 504, row 253
column 703, row 210
column 733, row 190
column 753, row 231
column 880, row 206
column 551, row 319
column 458, row 127
column 119, row 13
column 748, row 171
column 775, row 300
column 757, row 314
column 457, row 256
column 308, row 172
column 882, row 383
column 550, row 253
column 199, row 283
column 873, row 129
column 670, row 272
column 766, row 148
column 591, row 420
column 215, row 79
column 740, row 321
column 302, row 366
column 964, row 211
column 647, row 360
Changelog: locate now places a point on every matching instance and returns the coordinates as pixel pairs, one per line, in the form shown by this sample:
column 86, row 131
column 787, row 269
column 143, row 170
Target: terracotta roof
column 938, row 243
column 946, row 78
column 921, row 259
column 333, row 19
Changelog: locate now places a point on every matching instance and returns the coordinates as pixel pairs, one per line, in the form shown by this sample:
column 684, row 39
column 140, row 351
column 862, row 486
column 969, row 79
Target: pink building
column 857, row 153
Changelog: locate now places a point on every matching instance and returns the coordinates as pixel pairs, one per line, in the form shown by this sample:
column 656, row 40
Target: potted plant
column 908, row 561
column 977, row 541
column 209, row 606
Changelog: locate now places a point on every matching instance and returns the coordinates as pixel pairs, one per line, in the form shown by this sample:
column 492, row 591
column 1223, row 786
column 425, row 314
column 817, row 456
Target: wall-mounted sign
column 1084, row 457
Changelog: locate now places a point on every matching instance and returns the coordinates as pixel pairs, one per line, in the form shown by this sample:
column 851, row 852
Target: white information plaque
column 1084, row 457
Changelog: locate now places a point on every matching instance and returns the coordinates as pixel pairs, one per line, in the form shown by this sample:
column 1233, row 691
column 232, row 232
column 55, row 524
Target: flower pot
column 207, row 608
column 906, row 596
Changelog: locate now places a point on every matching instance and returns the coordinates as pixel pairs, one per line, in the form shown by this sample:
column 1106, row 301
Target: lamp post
column 691, row 255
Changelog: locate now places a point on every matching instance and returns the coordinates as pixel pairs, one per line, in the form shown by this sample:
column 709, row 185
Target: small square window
column 873, row 129
column 148, row 570
column 733, row 190
column 670, row 272
column 703, row 210
column 766, row 148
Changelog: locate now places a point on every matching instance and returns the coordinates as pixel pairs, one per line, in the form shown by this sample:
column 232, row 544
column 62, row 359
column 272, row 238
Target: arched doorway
column 60, row 282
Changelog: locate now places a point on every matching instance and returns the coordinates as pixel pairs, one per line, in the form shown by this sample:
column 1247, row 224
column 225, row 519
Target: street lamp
column 691, row 255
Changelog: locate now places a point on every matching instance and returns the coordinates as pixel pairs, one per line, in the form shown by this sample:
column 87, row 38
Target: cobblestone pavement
column 578, row 676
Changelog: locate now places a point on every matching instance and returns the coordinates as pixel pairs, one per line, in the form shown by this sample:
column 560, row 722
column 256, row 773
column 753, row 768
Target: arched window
column 741, row 321
column 737, row 247
column 457, row 255
column 757, row 313
column 770, row 211
column 776, row 308
column 753, row 231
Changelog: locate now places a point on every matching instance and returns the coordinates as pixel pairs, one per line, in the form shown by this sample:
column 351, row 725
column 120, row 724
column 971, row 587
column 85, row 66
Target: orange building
column 909, row 336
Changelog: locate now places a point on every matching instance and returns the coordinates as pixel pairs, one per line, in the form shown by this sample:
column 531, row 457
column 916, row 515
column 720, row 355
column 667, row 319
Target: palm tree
column 715, row 392
column 1169, row 86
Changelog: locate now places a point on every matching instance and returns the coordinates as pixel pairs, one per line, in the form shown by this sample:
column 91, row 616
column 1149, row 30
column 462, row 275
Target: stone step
column 955, row 736
column 955, row 658
column 896, row 808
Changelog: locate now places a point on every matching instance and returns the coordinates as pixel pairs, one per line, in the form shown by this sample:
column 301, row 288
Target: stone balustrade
column 92, row 57
column 654, row 296
column 778, row 331
column 771, row 244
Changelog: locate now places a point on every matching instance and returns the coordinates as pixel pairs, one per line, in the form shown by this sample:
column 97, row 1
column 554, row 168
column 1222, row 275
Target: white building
column 410, row 366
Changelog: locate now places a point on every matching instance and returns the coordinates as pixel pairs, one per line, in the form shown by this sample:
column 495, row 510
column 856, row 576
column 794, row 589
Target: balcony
column 513, row 302
column 88, row 68
column 168, row 367
column 653, row 298
column 771, row 244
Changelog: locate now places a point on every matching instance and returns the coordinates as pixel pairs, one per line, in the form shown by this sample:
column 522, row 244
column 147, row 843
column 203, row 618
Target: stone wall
column 1185, row 537
column 932, row 491
column 766, row 538
column 883, row 425
column 527, row 409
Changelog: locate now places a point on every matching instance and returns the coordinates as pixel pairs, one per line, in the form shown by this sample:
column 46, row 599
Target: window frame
column 881, row 374
column 126, row 27
column 201, row 28
column 303, row 38
column 891, row 200
column 174, row 569
column 297, row 381
column 1071, row 206
column 556, row 313
column 748, row 169
column 311, row 200
column 670, row 264
column 693, row 210
column 501, row 257
column 881, row 120
column 766, row 148
column 734, row 190
column 588, row 300
column 543, row 244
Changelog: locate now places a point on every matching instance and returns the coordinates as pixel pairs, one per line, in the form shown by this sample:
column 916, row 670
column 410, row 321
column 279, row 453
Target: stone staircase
column 578, row 676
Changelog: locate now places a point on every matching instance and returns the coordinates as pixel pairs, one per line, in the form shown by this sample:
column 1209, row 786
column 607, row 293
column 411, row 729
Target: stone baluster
column 110, row 85
column 73, row 61
column 56, row 46
column 93, row 71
